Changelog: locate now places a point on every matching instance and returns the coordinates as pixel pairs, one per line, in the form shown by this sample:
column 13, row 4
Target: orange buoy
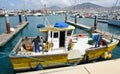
column 80, row 35
column 109, row 55
column 70, row 40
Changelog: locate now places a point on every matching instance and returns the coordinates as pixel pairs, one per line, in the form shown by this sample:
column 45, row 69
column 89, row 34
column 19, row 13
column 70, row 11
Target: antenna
column 45, row 12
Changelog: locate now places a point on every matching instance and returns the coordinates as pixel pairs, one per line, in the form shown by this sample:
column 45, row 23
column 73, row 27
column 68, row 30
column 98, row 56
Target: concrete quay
column 104, row 67
column 5, row 37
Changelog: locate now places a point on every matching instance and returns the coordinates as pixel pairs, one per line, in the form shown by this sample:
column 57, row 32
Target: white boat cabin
column 59, row 37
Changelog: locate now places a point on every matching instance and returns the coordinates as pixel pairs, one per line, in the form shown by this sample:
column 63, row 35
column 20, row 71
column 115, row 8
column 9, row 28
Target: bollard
column 75, row 19
column 26, row 18
column 95, row 23
column 20, row 19
column 7, row 23
column 65, row 17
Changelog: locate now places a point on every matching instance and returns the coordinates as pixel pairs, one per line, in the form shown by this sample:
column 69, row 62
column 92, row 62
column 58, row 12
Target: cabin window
column 56, row 35
column 45, row 36
column 51, row 34
column 69, row 33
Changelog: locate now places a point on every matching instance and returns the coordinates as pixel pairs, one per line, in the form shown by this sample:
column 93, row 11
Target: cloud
column 12, row 4
column 64, row 3
column 38, row 4
column 101, row 2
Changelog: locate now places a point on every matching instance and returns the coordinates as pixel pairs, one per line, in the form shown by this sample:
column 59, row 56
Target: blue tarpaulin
column 61, row 25
column 40, row 26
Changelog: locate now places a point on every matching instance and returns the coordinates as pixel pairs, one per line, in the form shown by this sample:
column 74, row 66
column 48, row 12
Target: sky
column 38, row 4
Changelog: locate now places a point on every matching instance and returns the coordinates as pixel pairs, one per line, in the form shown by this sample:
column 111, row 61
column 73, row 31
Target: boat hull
column 26, row 63
column 114, row 22
column 93, row 53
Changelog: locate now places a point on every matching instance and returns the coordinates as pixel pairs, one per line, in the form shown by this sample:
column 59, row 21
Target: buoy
column 109, row 56
column 40, row 26
column 80, row 35
column 106, row 55
column 39, row 67
column 12, row 29
column 70, row 40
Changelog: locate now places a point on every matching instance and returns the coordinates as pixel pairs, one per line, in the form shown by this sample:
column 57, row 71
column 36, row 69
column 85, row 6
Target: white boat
column 37, row 14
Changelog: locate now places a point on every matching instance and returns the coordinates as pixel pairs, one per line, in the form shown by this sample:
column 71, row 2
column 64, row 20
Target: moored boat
column 58, row 46
column 114, row 22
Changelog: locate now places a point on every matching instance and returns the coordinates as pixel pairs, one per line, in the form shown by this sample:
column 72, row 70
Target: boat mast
column 114, row 8
column 44, row 11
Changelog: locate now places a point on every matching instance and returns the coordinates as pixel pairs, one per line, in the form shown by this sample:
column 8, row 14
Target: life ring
column 47, row 46
column 80, row 35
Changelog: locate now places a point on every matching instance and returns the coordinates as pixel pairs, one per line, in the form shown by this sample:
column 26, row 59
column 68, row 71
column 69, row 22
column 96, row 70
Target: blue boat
column 114, row 22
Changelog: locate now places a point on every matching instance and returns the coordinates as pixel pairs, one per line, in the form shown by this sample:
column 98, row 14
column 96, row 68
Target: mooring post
column 20, row 19
column 95, row 23
column 7, row 23
column 75, row 19
column 65, row 17
column 26, row 18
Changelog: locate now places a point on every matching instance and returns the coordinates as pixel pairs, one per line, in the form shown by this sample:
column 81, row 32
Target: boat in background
column 37, row 14
column 87, row 15
column 114, row 15
column 115, row 22
column 78, row 16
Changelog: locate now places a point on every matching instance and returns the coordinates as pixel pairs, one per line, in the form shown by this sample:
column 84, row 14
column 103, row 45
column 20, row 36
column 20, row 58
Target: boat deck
column 78, row 50
column 87, row 28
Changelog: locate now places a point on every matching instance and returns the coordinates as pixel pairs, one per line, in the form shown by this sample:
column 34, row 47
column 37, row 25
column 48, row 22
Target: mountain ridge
column 86, row 5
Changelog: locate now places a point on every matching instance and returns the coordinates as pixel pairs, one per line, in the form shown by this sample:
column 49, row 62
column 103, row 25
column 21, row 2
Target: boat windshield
column 69, row 32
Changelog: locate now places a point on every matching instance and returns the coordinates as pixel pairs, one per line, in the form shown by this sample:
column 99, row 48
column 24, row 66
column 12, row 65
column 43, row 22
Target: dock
column 4, row 37
column 102, row 21
column 104, row 67
column 80, row 25
column 87, row 28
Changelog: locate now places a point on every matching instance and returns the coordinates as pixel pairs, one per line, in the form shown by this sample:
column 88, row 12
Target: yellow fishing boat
column 58, row 46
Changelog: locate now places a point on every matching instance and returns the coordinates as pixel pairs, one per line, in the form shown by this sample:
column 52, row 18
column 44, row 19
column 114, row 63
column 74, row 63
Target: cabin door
column 55, row 39
column 62, row 39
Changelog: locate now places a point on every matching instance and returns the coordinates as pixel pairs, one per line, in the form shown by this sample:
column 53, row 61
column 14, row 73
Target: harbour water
column 32, row 30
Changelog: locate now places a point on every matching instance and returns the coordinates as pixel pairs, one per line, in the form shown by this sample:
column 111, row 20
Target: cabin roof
column 46, row 29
